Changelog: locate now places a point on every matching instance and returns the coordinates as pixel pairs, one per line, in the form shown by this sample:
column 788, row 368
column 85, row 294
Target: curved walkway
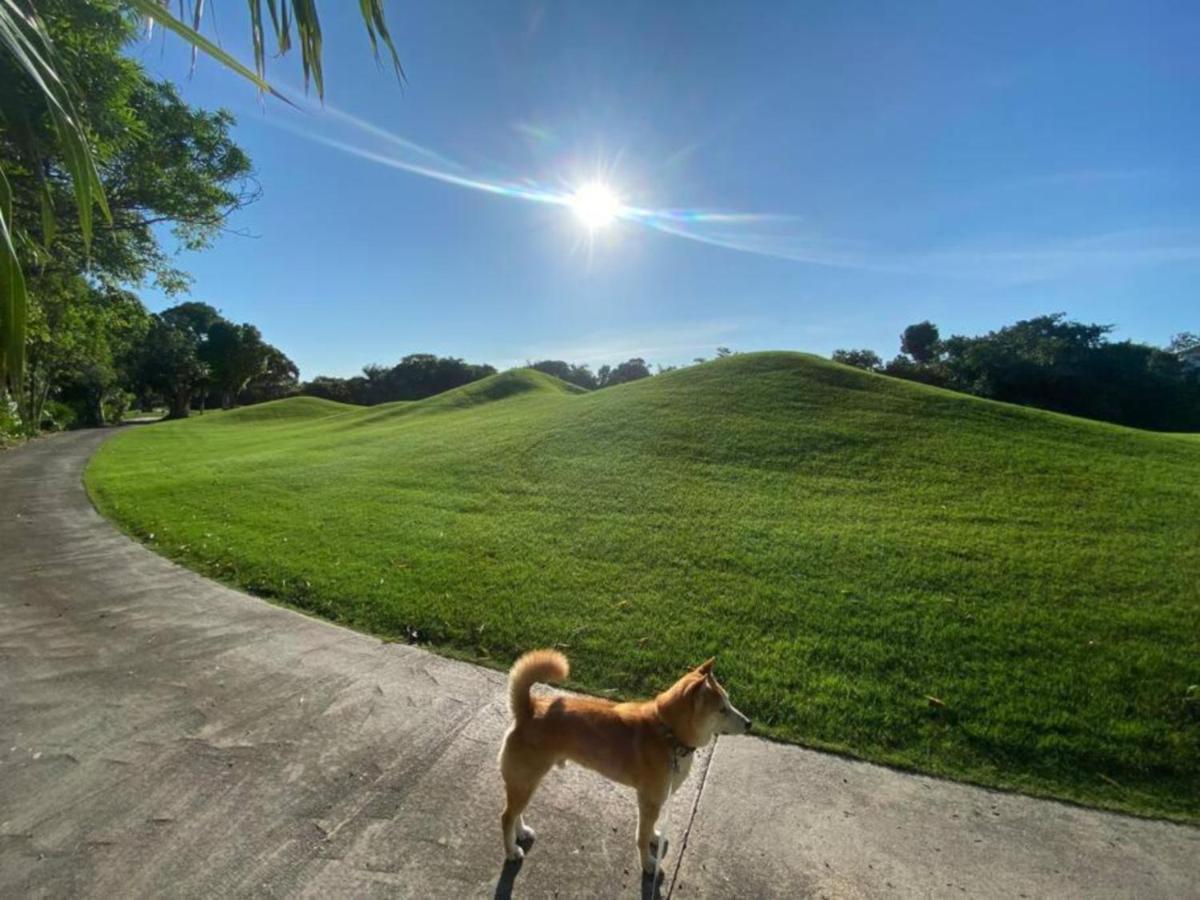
column 163, row 735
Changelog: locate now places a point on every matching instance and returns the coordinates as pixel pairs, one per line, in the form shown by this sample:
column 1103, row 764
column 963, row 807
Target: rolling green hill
column 849, row 545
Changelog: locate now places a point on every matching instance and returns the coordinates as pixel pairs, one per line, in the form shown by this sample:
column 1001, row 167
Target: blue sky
column 868, row 165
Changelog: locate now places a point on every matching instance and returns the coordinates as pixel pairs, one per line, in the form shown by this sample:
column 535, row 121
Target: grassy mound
column 922, row 578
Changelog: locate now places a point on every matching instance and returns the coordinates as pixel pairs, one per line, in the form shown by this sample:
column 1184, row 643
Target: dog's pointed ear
column 706, row 667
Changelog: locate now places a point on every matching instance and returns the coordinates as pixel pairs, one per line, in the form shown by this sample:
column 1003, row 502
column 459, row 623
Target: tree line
column 92, row 354
column 1053, row 363
column 421, row 375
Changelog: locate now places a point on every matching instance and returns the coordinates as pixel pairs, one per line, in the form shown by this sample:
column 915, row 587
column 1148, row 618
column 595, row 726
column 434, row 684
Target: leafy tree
column 921, row 342
column 861, row 359
column 194, row 317
column 35, row 66
column 170, row 364
column 79, row 344
column 97, row 386
column 1072, row 367
column 279, row 378
column 415, row 377
column 234, row 354
column 572, row 374
column 630, row 370
column 329, row 388
column 1186, row 346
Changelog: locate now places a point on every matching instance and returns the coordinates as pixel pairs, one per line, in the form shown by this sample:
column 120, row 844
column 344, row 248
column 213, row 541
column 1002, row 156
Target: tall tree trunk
column 180, row 404
column 95, row 409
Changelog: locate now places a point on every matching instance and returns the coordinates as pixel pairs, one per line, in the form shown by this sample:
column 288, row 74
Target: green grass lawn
column 848, row 545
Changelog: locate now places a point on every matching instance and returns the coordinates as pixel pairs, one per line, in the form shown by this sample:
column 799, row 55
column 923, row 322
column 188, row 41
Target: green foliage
column 631, row 370
column 11, row 427
column 415, row 377
column 848, row 545
column 279, row 378
column 581, row 376
column 41, row 68
column 1053, row 363
column 234, row 354
column 79, row 347
column 284, row 16
column 921, row 342
column 31, row 58
column 860, row 359
column 158, row 160
column 169, row 363
column 194, row 352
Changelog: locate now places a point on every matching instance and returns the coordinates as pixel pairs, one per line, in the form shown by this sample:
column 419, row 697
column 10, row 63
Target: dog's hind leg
column 521, row 779
column 511, row 822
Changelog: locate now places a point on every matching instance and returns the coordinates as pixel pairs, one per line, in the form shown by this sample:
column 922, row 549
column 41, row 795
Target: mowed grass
column 849, row 546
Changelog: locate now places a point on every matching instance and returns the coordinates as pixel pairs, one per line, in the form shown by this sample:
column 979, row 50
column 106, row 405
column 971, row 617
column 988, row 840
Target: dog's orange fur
column 632, row 743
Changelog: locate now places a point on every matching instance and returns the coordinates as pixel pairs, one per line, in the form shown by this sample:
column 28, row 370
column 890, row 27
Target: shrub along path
column 161, row 733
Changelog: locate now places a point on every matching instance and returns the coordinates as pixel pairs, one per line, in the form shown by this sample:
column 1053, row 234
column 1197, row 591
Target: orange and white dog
column 647, row 745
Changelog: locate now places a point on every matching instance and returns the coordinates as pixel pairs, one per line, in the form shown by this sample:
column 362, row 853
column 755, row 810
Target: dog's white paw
column 525, row 833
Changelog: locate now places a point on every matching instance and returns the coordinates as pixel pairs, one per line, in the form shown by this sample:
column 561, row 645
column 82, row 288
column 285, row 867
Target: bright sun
column 595, row 205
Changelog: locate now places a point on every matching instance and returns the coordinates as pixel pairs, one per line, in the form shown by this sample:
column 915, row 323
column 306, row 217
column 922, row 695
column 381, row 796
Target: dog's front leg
column 649, row 806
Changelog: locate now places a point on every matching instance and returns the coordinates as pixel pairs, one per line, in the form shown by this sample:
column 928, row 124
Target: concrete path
column 163, row 735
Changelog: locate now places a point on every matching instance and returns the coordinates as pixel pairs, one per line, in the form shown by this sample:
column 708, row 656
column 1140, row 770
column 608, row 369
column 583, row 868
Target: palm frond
column 156, row 11
column 13, row 301
column 25, row 39
column 284, row 16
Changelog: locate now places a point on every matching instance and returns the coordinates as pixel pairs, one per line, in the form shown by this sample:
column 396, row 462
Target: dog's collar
column 679, row 750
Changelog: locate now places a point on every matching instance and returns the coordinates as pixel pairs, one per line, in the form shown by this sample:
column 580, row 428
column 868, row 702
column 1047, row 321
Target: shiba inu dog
column 648, row 745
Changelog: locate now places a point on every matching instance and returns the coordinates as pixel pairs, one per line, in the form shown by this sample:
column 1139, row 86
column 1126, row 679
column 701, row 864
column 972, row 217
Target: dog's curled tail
column 546, row 666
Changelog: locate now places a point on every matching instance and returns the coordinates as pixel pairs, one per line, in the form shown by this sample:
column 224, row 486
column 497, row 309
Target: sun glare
column 595, row 205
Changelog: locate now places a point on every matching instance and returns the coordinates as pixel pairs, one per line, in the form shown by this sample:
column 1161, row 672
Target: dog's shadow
column 508, row 875
column 651, row 886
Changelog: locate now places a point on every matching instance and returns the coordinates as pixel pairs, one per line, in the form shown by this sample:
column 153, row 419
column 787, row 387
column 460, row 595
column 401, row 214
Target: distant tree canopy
column 1053, row 363
column 862, row 359
column 605, row 376
column 421, row 375
column 193, row 356
column 572, row 374
column 920, row 342
column 415, row 377
column 630, row 370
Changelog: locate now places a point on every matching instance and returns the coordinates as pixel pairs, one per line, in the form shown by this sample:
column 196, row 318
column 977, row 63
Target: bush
column 116, row 406
column 57, row 416
column 10, row 419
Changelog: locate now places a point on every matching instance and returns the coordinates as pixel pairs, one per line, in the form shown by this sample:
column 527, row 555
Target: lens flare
column 593, row 203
